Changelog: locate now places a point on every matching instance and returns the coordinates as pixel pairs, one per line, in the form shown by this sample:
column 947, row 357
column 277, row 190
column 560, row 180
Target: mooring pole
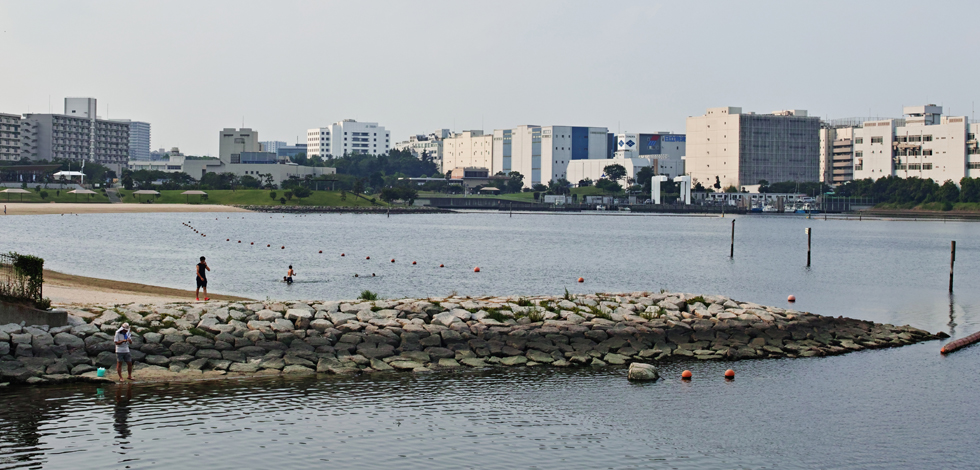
column 731, row 250
column 952, row 259
column 809, row 234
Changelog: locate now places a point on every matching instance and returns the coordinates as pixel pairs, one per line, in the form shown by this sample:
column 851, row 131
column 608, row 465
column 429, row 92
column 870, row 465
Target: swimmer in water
column 289, row 275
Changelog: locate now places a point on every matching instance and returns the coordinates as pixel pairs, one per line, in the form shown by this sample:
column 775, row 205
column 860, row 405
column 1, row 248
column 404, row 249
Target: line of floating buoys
column 581, row 279
column 686, row 375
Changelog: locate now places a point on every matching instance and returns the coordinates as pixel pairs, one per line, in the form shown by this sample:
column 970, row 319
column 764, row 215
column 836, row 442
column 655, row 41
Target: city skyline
column 191, row 69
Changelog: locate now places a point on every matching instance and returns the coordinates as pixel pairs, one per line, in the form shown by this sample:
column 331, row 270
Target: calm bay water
column 900, row 408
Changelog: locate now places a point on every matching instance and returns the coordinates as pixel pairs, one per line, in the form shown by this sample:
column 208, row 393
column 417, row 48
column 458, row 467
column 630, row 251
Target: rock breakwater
column 192, row 340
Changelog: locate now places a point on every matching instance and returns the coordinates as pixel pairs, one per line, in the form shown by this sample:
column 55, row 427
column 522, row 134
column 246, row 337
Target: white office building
column 348, row 137
column 925, row 144
column 426, row 145
column 737, row 149
column 272, row 145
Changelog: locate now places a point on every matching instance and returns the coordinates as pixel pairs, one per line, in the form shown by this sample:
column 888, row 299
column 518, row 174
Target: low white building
column 544, row 153
column 428, row 145
column 925, row 144
column 348, row 137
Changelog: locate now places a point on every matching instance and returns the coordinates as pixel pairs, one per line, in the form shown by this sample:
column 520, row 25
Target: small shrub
column 494, row 314
column 568, row 295
column 44, row 195
column 368, row 295
column 42, row 304
column 694, row 300
column 523, row 302
column 535, row 316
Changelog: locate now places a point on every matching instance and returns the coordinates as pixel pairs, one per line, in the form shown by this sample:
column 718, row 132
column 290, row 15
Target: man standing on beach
column 202, row 279
column 123, row 339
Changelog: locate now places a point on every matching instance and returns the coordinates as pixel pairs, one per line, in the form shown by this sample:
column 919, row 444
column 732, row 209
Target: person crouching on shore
column 123, row 339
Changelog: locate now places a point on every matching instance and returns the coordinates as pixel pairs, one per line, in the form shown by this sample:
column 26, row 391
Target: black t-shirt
column 202, row 271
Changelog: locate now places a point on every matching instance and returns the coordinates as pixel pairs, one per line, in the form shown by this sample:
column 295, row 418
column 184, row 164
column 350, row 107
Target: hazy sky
column 191, row 68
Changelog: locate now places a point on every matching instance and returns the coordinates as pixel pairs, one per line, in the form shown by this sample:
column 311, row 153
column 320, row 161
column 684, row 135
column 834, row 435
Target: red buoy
column 393, row 260
column 367, row 257
column 729, row 374
column 321, row 251
column 413, row 262
column 686, row 375
column 442, row 266
column 239, row 241
column 581, row 279
column 342, row 254
column 284, row 247
column 791, row 298
column 253, row 243
column 268, row 246
column 476, row 269
column 227, row 239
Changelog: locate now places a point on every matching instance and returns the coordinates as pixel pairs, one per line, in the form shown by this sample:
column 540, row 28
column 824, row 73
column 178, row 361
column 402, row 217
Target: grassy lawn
column 930, row 206
column 527, row 197
column 54, row 196
column 251, row 197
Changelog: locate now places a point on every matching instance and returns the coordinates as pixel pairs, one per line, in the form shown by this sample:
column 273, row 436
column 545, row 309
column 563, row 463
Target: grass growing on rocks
column 368, row 295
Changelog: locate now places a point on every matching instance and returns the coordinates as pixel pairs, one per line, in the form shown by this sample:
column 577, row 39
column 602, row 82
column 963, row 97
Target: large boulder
column 640, row 372
column 294, row 314
column 68, row 340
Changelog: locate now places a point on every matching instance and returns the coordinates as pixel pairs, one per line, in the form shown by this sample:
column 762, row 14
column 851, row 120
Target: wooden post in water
column 808, row 236
column 731, row 251
column 952, row 259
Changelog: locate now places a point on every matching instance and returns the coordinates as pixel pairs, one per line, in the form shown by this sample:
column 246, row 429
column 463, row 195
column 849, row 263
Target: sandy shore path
column 17, row 208
column 68, row 289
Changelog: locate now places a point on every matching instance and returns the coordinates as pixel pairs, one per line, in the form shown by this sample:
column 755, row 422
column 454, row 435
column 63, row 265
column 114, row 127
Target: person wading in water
column 289, row 275
column 202, row 279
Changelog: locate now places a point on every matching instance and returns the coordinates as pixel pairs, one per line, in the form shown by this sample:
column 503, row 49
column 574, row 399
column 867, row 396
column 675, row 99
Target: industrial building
column 924, row 144
column 732, row 148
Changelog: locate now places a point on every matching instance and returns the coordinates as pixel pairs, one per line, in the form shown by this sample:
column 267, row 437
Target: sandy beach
column 17, row 208
column 66, row 289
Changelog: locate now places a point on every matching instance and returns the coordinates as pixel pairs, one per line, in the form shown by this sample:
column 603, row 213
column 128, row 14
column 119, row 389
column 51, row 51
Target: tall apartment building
column 348, row 137
column 925, row 144
column 272, row 146
column 736, row 149
column 430, row 145
column 9, row 137
column 139, row 139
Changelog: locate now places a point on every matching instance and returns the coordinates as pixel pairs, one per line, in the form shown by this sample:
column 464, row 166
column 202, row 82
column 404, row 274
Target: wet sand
column 68, row 289
column 17, row 208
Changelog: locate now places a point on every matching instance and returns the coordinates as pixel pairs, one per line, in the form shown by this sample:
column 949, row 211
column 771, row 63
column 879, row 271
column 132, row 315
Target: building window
column 859, row 140
column 973, row 165
column 859, row 154
column 927, row 138
column 876, row 140
column 927, row 166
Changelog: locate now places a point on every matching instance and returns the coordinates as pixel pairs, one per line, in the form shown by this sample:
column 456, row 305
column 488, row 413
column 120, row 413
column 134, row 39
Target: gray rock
column 272, row 363
column 616, row 359
column 294, row 314
column 244, row 367
column 197, row 364
column 640, row 371
column 405, row 365
column 152, row 337
column 282, row 325
column 474, row 362
column 338, row 318
column 81, row 369
column 297, row 370
column 209, row 353
column 219, row 364
column 157, row 360
column 268, row 315
column 11, row 328
column 21, row 338
column 321, row 325
column 446, row 319
column 378, row 365
column 513, row 360
column 448, row 362
column 538, row 356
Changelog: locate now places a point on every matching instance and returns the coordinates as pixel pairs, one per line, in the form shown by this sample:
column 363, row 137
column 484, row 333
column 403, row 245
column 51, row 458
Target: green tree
column 763, row 186
column 301, row 192
column 289, row 195
column 608, row 186
column 272, row 194
column 585, row 183
column 615, row 172
column 515, row 182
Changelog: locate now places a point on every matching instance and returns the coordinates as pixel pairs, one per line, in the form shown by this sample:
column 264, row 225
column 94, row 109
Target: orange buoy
column 321, row 251
column 393, row 260
column 686, row 375
column 342, row 254
column 791, row 298
column 442, row 266
column 960, row 343
column 413, row 262
column 729, row 374
column 581, row 279
column 476, row 269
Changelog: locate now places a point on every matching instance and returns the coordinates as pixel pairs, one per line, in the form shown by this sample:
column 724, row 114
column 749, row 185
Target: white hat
column 125, row 326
